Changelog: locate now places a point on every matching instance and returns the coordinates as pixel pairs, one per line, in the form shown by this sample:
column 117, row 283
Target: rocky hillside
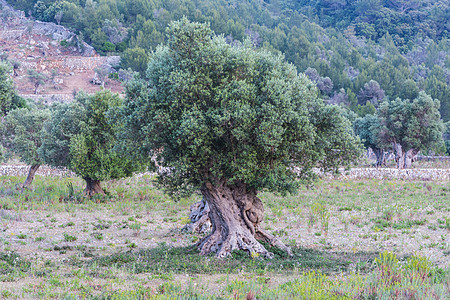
column 51, row 62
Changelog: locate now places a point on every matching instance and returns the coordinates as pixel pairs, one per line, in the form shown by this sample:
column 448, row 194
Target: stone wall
column 89, row 63
column 22, row 170
column 70, row 62
column 49, row 98
column 355, row 173
column 390, row 173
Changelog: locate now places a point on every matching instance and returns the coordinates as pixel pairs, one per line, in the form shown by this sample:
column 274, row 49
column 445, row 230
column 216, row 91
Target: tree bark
column 404, row 158
column 399, row 156
column 30, row 176
column 235, row 215
column 199, row 216
column 381, row 157
column 93, row 187
column 410, row 157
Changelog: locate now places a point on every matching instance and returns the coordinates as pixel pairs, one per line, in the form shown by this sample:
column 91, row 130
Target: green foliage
column 11, row 262
column 350, row 42
column 9, row 99
column 79, row 136
column 365, row 128
column 413, row 124
column 136, row 59
column 21, row 133
column 221, row 112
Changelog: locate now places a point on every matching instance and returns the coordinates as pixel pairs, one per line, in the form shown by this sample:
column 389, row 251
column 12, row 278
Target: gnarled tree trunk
column 30, row 176
column 235, row 215
column 92, row 187
column 410, row 157
column 399, row 156
column 404, row 158
column 381, row 157
column 199, row 216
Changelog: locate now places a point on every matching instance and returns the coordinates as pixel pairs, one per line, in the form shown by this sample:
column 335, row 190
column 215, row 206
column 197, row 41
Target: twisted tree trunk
column 381, row 157
column 235, row 215
column 30, row 176
column 93, row 187
column 199, row 216
column 404, row 158
column 399, row 156
column 410, row 157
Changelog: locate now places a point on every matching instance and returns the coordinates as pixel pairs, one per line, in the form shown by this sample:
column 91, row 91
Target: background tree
column 101, row 73
column 21, row 135
column 410, row 126
column 136, row 59
column 36, row 78
column 79, row 137
column 367, row 129
column 9, row 99
column 371, row 92
column 231, row 121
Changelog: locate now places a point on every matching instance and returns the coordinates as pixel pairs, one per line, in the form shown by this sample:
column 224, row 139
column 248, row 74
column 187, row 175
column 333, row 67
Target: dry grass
column 56, row 244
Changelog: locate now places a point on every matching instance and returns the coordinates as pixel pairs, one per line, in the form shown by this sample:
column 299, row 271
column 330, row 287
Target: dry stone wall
column 22, row 170
column 403, row 174
column 355, row 173
column 50, row 98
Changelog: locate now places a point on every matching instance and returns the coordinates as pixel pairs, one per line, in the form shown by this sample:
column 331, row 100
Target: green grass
column 182, row 260
column 390, row 277
column 128, row 268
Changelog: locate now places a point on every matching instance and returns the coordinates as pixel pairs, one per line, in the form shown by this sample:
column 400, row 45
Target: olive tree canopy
column 410, row 126
column 231, row 121
column 9, row 99
column 21, row 135
column 80, row 137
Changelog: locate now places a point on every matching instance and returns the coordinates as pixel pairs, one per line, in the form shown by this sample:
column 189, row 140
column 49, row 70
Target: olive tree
column 9, row 99
column 367, row 129
column 79, row 136
column 409, row 126
column 231, row 121
column 21, row 135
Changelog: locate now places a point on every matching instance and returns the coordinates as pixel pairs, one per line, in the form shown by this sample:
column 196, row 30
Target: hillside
column 344, row 46
column 66, row 64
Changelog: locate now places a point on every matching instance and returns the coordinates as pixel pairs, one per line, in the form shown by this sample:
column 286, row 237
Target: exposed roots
column 264, row 236
column 199, row 216
column 235, row 214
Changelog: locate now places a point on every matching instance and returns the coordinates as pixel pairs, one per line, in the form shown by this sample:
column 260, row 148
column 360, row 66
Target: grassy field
column 362, row 239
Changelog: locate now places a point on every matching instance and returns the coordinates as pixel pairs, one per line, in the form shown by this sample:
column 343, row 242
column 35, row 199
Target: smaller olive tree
column 405, row 126
column 79, row 136
column 367, row 129
column 9, row 99
column 37, row 79
column 21, row 135
column 409, row 126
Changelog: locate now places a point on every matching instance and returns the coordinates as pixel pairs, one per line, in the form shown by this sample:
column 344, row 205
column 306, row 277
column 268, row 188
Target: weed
column 21, row 236
column 98, row 236
column 69, row 238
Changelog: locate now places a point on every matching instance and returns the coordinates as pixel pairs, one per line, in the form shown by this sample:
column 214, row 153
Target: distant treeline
column 357, row 52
